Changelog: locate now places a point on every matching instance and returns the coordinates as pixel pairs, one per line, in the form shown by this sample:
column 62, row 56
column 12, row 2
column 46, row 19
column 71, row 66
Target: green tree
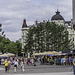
column 45, row 36
column 18, row 48
column 9, row 46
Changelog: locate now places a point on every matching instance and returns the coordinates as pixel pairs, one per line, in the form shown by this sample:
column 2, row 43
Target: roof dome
column 57, row 16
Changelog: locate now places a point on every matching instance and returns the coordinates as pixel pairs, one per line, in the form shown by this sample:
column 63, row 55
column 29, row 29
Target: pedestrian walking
column 69, row 60
column 6, row 65
column 74, row 65
column 9, row 65
column 2, row 61
column 61, row 61
column 15, row 65
column 28, row 61
column 22, row 65
column 32, row 61
column 55, row 61
column 64, row 61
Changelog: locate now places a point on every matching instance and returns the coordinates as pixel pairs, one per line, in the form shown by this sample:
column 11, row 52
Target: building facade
column 24, row 32
column 58, row 19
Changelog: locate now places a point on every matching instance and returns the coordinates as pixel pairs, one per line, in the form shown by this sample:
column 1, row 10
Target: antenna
column 57, row 7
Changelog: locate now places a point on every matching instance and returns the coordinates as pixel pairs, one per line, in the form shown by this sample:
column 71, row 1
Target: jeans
column 6, row 68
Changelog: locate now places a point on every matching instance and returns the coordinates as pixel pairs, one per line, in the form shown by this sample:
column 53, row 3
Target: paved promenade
column 61, row 73
column 40, row 70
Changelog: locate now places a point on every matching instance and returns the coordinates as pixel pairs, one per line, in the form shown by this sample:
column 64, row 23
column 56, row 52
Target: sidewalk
column 39, row 70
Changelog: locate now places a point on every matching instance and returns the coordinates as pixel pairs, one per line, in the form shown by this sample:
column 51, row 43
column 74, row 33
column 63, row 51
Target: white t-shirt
column 15, row 63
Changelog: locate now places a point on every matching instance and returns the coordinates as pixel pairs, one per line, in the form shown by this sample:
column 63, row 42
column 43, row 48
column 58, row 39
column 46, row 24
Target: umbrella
column 47, row 53
column 35, row 54
column 40, row 53
column 10, row 54
column 7, row 54
column 43, row 53
column 3, row 55
column 54, row 52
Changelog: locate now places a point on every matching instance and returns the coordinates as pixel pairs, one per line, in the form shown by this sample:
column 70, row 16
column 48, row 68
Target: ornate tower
column 24, row 32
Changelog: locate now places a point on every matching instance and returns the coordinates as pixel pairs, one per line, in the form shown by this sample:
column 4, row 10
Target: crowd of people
column 43, row 60
column 56, row 60
column 15, row 62
column 8, row 62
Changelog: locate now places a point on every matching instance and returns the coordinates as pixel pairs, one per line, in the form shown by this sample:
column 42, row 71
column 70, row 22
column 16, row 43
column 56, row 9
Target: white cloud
column 8, row 21
column 12, row 13
column 13, row 35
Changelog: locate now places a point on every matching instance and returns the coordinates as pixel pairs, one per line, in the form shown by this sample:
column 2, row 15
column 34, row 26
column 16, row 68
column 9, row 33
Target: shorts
column 15, row 66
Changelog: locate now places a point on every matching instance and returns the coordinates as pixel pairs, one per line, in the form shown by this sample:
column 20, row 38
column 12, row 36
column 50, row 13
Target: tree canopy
column 47, row 36
column 9, row 46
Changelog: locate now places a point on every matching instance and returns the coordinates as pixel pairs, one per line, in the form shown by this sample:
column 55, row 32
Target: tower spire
column 24, row 23
column 57, row 12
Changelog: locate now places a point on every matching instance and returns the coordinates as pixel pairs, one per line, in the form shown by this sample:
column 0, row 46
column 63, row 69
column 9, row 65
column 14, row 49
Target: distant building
column 58, row 19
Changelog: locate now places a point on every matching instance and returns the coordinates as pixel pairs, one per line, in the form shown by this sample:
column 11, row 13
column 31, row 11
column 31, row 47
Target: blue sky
column 12, row 13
